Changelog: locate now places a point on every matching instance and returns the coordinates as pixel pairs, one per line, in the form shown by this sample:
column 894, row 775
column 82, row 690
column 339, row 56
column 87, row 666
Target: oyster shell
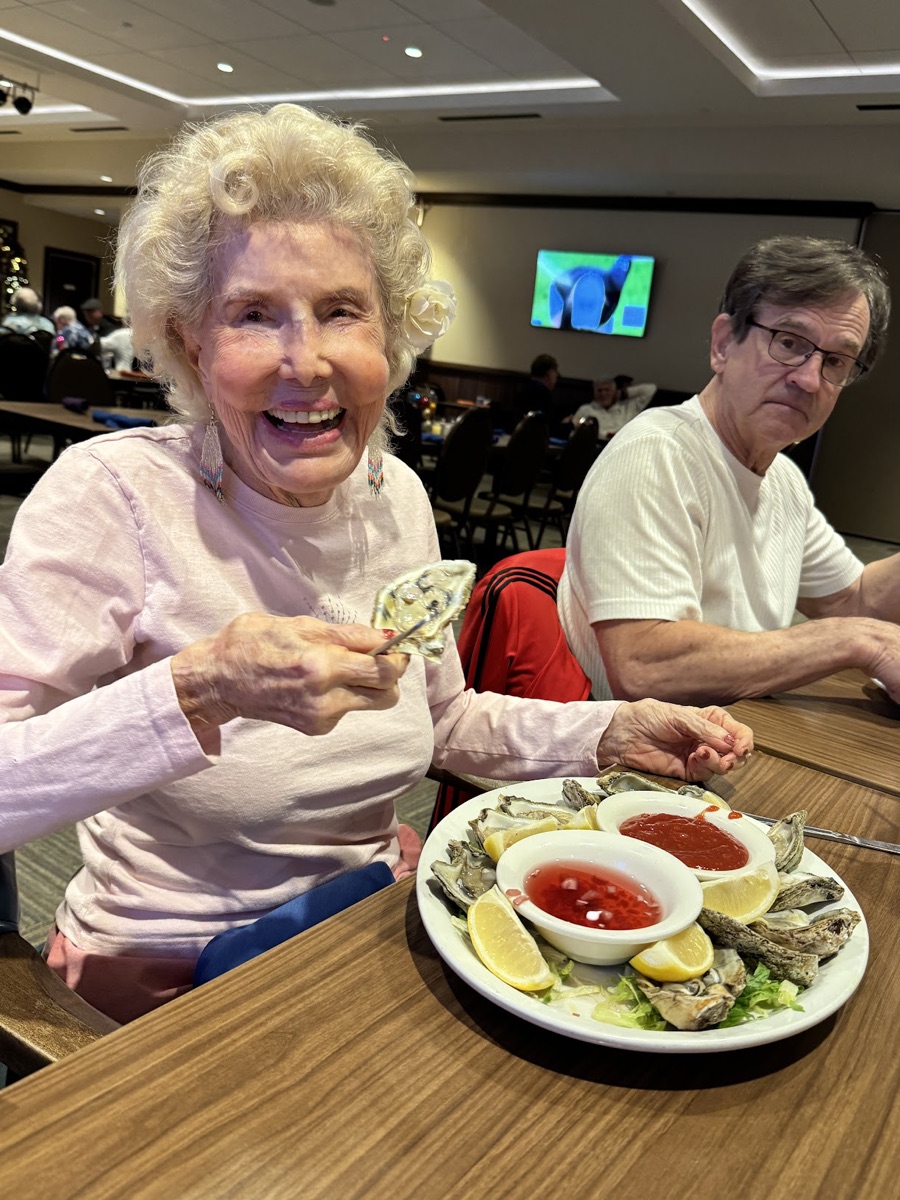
column 579, row 797
column 796, row 891
column 531, row 810
column 822, row 934
column 469, row 873
column 786, row 836
column 489, row 820
column 699, row 1003
column 438, row 592
column 613, row 782
column 783, row 963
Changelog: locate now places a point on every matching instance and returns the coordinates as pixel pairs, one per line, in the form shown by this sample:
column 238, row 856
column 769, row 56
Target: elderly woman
column 185, row 662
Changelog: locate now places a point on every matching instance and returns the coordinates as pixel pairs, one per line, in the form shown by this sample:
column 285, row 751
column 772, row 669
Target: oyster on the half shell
column 702, row 1002
column 437, row 594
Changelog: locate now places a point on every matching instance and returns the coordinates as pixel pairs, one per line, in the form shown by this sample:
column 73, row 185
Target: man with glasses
column 694, row 540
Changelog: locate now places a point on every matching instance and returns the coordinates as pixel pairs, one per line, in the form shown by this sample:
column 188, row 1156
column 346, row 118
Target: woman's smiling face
column 291, row 356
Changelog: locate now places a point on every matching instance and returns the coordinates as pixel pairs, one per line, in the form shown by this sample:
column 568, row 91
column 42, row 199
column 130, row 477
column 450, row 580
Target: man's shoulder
column 680, row 425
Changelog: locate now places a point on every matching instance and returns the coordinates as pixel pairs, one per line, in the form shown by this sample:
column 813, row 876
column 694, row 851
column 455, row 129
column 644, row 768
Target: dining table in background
column 844, row 724
column 62, row 424
column 352, row 1062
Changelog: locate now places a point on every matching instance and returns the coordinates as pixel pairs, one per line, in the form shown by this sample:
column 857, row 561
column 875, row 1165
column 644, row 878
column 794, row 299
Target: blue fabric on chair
column 113, row 420
column 236, row 946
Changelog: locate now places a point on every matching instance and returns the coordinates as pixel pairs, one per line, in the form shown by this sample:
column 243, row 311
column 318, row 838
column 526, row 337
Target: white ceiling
column 711, row 98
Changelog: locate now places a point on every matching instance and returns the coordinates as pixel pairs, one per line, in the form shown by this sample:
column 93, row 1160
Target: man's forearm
column 694, row 663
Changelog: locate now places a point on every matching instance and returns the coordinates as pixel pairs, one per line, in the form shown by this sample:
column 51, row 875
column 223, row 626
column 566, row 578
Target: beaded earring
column 211, row 461
column 375, row 464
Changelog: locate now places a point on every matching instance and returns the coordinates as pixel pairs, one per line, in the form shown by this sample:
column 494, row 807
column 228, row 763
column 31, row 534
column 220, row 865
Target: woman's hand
column 672, row 739
column 295, row 671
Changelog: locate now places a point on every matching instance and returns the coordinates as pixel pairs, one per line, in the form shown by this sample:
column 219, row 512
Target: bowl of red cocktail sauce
column 714, row 843
column 598, row 897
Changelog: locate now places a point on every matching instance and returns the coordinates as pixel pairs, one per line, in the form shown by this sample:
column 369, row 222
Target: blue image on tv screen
column 596, row 293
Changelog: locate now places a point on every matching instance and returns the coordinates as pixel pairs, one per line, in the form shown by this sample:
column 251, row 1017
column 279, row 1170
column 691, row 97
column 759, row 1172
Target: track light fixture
column 23, row 94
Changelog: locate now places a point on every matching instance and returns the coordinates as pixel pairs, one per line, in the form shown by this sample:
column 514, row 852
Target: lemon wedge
column 744, row 897
column 505, row 946
column 585, row 818
column 684, row 956
column 501, row 839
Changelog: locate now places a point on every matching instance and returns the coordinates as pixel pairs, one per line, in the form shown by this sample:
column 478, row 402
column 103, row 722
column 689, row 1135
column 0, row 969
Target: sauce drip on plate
column 697, row 843
column 581, row 894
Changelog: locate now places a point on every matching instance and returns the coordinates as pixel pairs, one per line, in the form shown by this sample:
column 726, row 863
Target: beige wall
column 39, row 228
column 488, row 254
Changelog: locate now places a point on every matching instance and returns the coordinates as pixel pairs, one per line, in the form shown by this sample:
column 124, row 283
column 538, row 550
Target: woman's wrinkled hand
column 674, row 739
column 294, row 671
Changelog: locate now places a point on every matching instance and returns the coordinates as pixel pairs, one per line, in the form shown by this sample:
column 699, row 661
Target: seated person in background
column 694, row 540
column 72, row 335
column 120, row 344
column 210, row 709
column 536, row 393
column 94, row 320
column 26, row 317
column 615, row 403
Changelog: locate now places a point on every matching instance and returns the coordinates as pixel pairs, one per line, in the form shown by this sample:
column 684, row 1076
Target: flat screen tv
column 596, row 293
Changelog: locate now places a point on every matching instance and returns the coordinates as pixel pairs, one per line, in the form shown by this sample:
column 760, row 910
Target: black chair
column 44, row 339
column 74, row 376
column 460, row 469
column 408, row 443
column 518, row 466
column 567, row 476
column 41, row 1020
column 23, row 370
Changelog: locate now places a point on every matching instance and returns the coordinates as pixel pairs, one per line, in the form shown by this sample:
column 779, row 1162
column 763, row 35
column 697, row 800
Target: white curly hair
column 285, row 164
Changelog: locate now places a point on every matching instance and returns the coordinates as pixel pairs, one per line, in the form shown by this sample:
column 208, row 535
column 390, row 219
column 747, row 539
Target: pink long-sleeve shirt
column 120, row 558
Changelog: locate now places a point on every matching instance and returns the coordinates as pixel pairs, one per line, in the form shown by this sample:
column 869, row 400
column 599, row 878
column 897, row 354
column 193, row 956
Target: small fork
column 385, row 647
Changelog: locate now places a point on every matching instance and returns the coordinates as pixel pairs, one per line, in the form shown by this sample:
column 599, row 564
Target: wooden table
column 350, row 1062
column 61, row 422
column 845, row 725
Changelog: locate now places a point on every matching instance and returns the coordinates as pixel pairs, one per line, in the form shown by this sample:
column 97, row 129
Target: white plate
column 836, row 982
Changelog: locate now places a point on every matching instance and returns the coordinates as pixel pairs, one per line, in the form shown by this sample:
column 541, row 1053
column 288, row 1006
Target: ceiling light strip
column 71, row 59
column 579, row 83
column 401, row 93
column 775, row 73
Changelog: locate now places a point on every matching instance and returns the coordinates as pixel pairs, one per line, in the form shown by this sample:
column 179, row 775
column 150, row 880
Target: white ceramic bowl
column 614, row 811
column 674, row 886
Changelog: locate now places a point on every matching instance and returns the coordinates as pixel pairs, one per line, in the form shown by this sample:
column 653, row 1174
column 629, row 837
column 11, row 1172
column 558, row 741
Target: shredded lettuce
column 626, row 1005
column 762, row 996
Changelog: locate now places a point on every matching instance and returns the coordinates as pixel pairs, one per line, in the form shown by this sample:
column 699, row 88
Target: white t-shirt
column 669, row 525
column 611, row 420
column 117, row 560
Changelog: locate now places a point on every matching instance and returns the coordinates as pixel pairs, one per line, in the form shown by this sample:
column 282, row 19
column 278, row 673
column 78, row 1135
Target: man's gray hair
column 25, row 300
column 808, row 271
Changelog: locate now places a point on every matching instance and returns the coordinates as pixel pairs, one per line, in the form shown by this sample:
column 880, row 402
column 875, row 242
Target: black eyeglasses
column 792, row 350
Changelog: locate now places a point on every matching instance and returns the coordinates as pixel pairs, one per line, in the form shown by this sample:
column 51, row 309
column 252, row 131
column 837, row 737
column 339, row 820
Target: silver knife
column 829, row 835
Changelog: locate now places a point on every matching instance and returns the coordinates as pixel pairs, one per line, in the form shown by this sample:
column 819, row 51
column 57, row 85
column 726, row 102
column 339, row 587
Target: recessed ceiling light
column 101, row 212
column 226, row 67
column 413, row 52
column 106, row 178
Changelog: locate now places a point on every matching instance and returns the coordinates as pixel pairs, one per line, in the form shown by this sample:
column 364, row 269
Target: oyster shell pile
column 788, row 940
column 435, row 594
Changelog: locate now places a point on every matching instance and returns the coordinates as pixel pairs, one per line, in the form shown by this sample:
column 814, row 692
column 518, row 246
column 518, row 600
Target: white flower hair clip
column 429, row 313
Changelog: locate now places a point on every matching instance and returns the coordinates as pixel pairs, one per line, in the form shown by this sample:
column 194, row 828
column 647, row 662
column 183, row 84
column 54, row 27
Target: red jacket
column 512, row 643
